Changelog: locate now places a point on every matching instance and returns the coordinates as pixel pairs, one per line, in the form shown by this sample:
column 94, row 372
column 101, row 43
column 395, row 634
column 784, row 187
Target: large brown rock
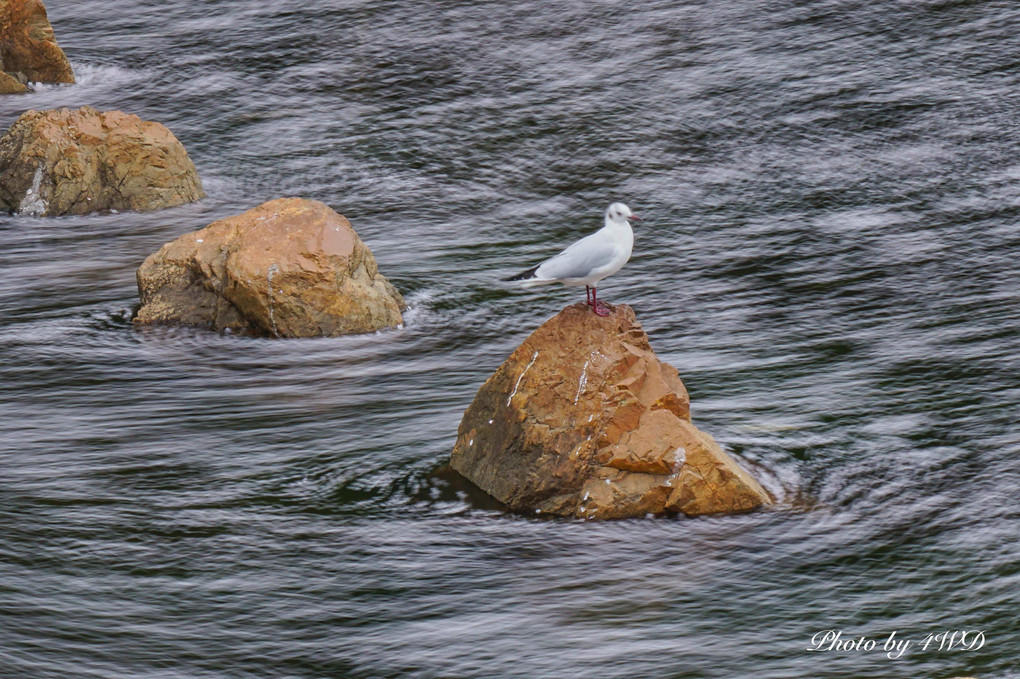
column 583, row 420
column 61, row 162
column 288, row 268
column 27, row 44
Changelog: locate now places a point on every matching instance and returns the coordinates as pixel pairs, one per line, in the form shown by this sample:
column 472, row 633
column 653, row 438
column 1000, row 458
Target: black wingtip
column 524, row 275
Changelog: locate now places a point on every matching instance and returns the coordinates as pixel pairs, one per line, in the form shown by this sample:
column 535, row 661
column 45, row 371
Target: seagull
column 590, row 259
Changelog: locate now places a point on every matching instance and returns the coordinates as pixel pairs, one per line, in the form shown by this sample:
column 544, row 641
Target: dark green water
column 831, row 194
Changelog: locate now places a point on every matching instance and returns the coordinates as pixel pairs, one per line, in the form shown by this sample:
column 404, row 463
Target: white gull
column 590, row 259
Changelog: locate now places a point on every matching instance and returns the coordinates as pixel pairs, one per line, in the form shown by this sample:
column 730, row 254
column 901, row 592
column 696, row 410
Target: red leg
column 598, row 307
column 587, row 293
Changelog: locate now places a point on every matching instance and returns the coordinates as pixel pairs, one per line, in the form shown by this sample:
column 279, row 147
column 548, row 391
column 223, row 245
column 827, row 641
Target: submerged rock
column 288, row 268
column 583, row 420
column 61, row 162
column 28, row 47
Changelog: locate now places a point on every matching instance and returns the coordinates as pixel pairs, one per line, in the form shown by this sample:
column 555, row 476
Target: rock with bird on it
column 583, row 420
column 287, row 268
column 28, row 49
column 73, row 162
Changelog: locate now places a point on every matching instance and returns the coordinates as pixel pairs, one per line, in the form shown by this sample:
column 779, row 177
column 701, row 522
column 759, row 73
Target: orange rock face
column 583, row 420
column 61, row 162
column 27, row 44
column 288, row 268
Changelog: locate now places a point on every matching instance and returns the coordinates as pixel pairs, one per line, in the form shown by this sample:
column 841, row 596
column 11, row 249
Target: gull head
column 619, row 213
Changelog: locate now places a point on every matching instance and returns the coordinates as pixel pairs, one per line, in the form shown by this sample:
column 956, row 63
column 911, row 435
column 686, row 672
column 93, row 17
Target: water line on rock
column 33, row 203
column 516, row 386
column 582, row 382
column 272, row 317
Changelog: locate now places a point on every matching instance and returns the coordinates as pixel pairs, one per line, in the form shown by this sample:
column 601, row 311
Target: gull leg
column 598, row 307
column 587, row 293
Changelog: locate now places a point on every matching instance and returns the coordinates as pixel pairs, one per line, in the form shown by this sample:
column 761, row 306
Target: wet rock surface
column 61, row 162
column 288, row 268
column 12, row 84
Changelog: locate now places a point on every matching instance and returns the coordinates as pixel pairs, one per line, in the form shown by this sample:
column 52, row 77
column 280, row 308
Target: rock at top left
column 28, row 50
column 72, row 162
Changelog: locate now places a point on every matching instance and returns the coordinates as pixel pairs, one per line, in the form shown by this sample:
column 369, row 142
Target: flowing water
column 831, row 194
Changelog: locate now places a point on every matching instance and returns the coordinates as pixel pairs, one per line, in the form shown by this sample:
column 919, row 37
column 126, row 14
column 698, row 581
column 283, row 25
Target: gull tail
column 524, row 275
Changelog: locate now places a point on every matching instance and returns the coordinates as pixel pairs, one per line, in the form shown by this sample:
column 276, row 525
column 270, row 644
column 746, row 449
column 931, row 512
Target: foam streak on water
column 831, row 198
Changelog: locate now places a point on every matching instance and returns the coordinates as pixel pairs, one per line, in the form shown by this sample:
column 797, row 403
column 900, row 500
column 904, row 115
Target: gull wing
column 580, row 259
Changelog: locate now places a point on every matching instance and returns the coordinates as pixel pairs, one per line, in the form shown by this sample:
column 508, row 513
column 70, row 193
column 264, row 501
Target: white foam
column 89, row 79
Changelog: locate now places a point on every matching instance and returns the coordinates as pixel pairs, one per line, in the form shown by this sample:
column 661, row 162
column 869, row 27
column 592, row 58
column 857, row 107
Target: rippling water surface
column 831, row 193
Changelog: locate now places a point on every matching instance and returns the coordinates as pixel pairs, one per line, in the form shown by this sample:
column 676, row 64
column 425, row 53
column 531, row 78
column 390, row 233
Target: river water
column 829, row 256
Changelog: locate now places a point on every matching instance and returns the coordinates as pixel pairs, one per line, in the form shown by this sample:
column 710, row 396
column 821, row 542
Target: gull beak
column 634, row 217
